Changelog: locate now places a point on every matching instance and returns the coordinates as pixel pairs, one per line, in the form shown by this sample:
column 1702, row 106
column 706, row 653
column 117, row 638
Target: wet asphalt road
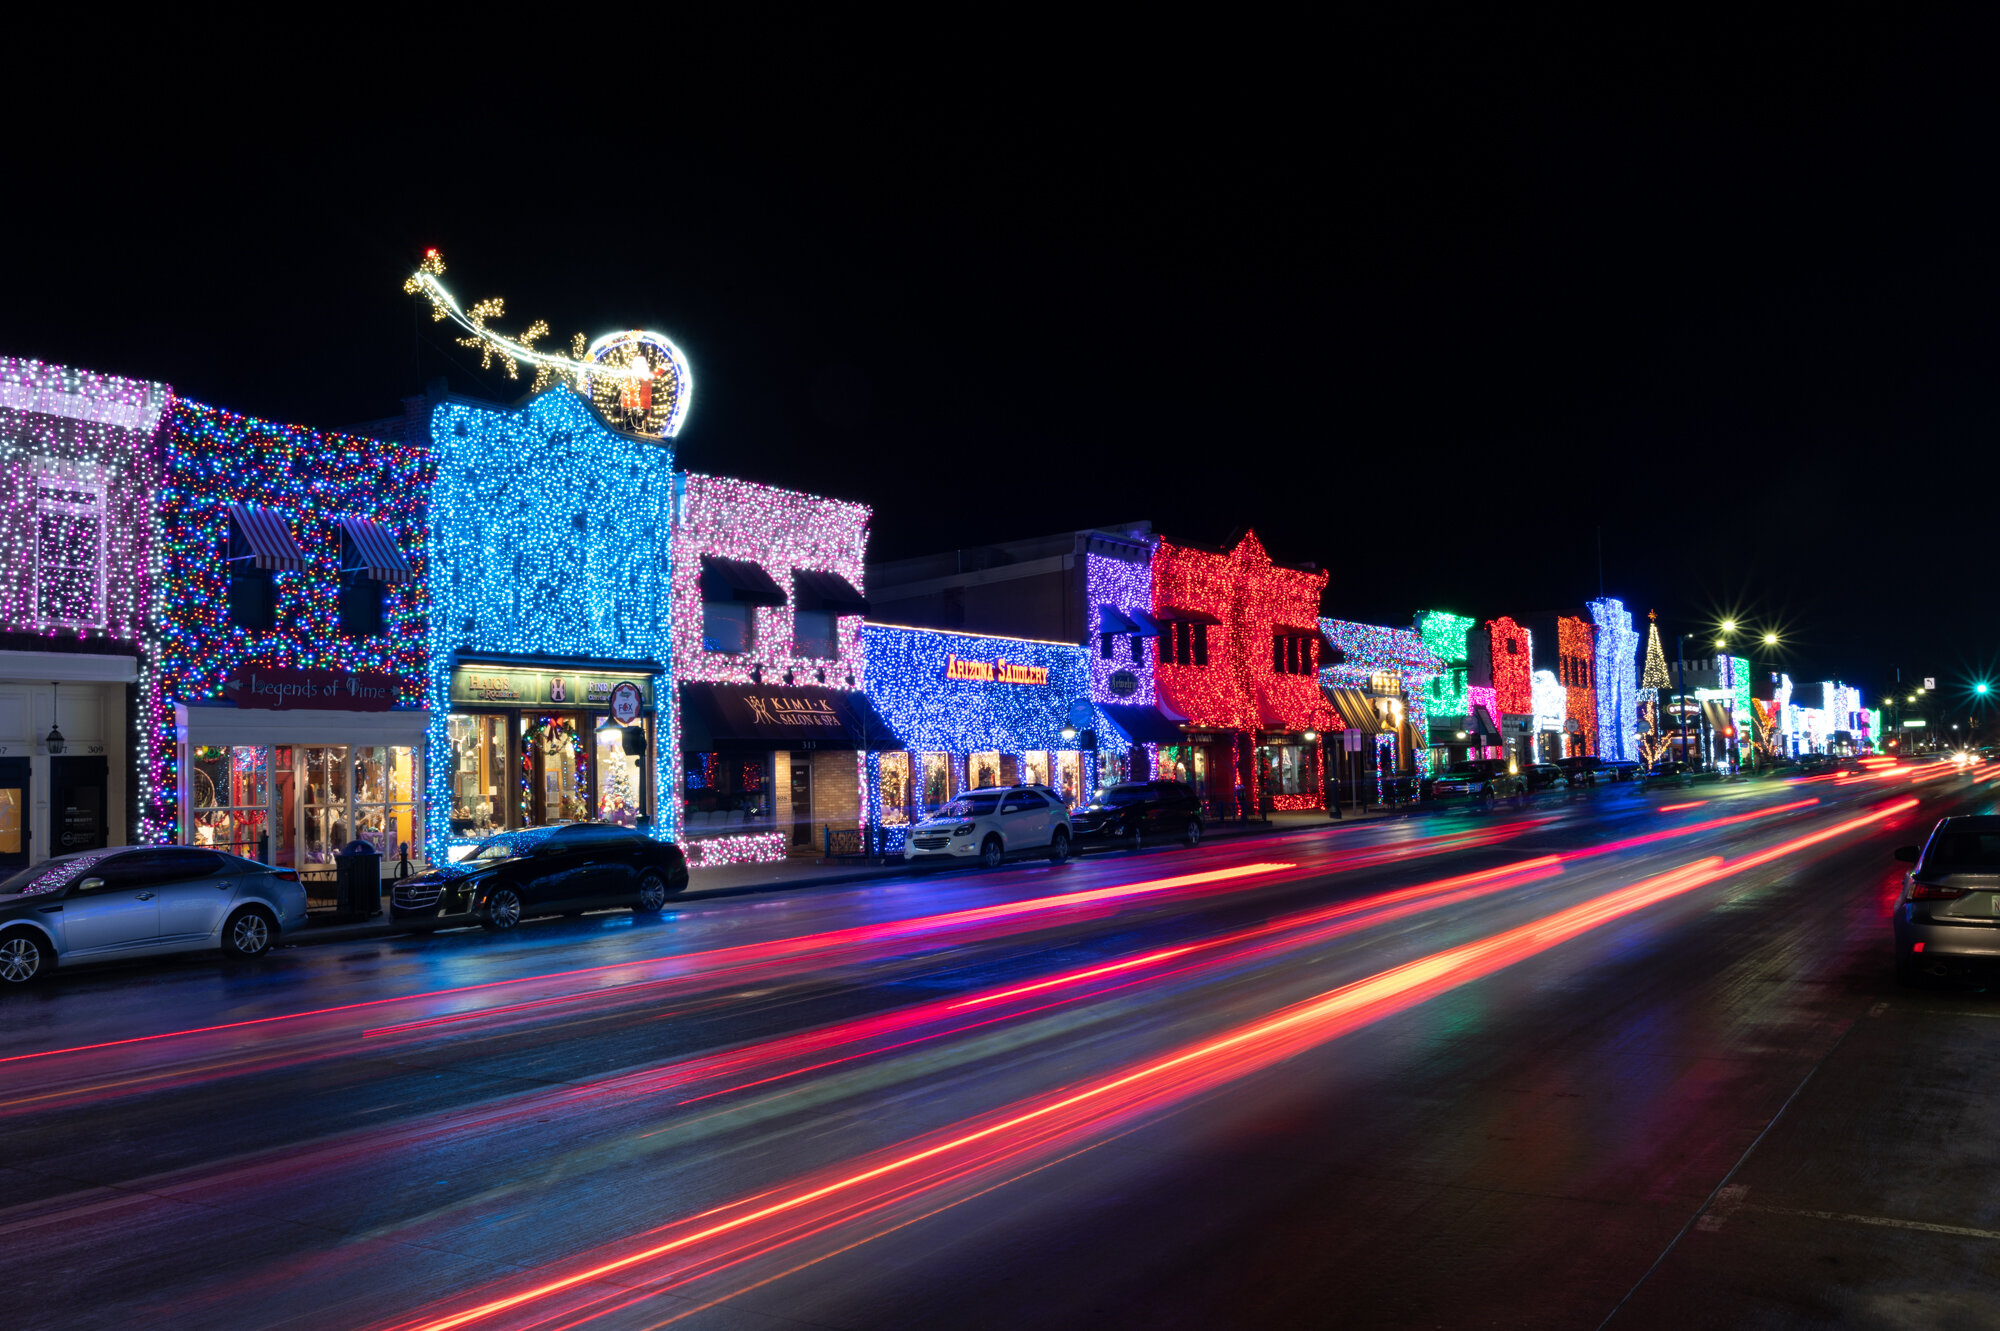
column 1545, row 1065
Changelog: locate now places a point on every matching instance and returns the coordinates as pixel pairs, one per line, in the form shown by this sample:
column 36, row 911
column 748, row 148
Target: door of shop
column 559, row 785
column 13, row 814
column 802, row 802
column 76, row 803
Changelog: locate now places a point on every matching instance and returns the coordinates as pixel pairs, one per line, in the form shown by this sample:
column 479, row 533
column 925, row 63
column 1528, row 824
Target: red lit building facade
column 1239, row 657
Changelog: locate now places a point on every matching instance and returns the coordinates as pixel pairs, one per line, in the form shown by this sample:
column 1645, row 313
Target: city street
column 1620, row 1056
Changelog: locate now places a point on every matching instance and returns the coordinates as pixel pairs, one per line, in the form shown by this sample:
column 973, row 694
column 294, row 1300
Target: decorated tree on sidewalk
column 1653, row 741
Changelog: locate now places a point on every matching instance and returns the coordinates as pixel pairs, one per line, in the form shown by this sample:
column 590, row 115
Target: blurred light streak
column 1006, row 1139
column 1675, row 808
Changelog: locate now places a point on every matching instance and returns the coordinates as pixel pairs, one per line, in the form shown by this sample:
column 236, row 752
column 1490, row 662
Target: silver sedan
column 1947, row 920
column 107, row 905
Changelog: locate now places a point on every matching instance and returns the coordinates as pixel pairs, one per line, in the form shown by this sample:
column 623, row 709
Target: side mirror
column 90, row 885
column 1907, row 854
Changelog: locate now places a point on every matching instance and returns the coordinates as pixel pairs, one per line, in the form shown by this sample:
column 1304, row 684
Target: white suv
column 993, row 824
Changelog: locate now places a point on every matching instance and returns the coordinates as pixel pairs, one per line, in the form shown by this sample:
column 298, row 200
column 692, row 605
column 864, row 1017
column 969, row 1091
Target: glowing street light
column 1770, row 640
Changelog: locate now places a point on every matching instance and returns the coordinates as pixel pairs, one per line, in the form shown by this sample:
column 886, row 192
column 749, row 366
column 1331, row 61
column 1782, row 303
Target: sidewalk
column 793, row 874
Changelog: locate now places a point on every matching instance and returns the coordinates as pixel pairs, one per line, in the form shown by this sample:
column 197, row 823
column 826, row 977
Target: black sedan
column 1131, row 811
column 545, row 871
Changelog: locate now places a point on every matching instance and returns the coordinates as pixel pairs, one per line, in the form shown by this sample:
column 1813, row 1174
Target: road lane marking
column 1887, row 1222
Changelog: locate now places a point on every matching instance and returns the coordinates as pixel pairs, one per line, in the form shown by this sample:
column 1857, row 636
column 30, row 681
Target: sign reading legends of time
column 994, row 672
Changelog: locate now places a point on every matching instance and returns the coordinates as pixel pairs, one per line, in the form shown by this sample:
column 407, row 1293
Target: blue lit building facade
column 551, row 642
column 975, row 710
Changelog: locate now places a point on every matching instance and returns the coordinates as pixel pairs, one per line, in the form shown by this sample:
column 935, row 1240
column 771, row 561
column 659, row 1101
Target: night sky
column 1429, row 305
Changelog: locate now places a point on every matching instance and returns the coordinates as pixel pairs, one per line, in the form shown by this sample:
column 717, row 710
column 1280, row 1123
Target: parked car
column 1132, row 811
column 1670, row 772
column 1477, row 778
column 1581, row 771
column 1620, row 769
column 992, row 824
column 564, row 870
column 1540, row 776
column 1947, row 920
column 106, row 905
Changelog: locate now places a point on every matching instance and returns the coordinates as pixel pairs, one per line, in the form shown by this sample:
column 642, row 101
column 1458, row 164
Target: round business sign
column 625, row 703
column 1571, row 726
column 1123, row 683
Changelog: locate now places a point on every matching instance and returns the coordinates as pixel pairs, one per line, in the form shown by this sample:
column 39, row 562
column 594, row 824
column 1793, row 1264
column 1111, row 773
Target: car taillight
column 1931, row 892
column 285, row 875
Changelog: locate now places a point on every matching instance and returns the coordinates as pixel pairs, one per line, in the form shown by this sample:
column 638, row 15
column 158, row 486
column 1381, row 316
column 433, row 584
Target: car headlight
column 963, row 829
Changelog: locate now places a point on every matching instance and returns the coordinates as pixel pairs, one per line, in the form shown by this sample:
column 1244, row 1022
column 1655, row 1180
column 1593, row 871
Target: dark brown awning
column 738, row 580
column 827, row 592
column 723, row 716
column 1354, row 707
column 1482, row 721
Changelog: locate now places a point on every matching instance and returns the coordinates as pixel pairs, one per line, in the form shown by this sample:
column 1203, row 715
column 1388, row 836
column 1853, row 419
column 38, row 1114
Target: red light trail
column 1012, row 1137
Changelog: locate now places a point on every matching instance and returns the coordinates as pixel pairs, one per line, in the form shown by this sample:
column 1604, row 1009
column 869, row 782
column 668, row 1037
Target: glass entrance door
column 323, row 825
column 13, row 810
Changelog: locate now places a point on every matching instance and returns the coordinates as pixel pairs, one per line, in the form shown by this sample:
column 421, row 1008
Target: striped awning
column 262, row 537
column 372, row 549
column 1355, row 708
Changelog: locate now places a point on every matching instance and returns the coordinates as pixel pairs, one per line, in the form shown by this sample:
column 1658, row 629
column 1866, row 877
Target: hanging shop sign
column 626, row 701
column 282, row 689
column 1123, row 683
column 479, row 685
column 995, row 672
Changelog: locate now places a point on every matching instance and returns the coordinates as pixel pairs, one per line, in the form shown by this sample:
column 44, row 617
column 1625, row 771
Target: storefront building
column 778, row 734
column 1618, row 681
column 1378, row 681
column 1123, row 684
column 1240, row 655
column 282, row 704
column 551, row 642
column 1455, row 732
column 973, row 711
column 1504, row 651
column 78, row 469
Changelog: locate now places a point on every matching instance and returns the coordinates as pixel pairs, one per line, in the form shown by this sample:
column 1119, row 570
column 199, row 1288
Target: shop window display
column 324, row 825
column 479, row 774
column 895, row 789
column 620, row 798
column 385, row 802
column 554, row 772
column 937, row 779
column 230, row 799
column 1069, row 778
column 1035, row 769
column 982, row 770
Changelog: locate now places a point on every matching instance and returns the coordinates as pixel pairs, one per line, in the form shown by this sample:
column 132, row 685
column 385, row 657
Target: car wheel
column 1059, row 846
column 503, row 909
column 24, row 957
column 1191, row 834
column 652, row 894
column 990, row 852
column 251, row 932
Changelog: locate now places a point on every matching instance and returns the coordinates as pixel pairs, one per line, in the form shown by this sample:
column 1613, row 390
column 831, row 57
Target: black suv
column 1583, row 770
column 1131, row 811
column 563, row 870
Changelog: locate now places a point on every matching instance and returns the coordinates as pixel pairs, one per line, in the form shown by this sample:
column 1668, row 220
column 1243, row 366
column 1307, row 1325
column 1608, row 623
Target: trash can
column 358, row 881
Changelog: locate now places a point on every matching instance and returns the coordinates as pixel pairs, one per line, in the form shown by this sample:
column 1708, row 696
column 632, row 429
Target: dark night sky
column 1424, row 304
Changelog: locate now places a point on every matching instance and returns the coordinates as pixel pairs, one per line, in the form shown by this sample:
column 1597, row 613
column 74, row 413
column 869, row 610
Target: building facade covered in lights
column 1379, row 682
column 977, row 710
column 283, row 709
column 551, row 638
column 1240, row 656
column 779, row 742
column 78, row 466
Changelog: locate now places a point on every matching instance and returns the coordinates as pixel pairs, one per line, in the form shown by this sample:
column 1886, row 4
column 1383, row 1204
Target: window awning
column 1354, row 708
column 1482, row 721
column 738, row 580
column 1144, row 723
column 1111, row 620
column 263, row 538
column 1145, row 624
column 374, row 551
column 826, row 592
column 1186, row 617
column 723, row 716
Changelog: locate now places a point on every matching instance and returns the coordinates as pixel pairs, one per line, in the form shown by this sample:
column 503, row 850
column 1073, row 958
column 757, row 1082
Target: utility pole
column 1681, row 685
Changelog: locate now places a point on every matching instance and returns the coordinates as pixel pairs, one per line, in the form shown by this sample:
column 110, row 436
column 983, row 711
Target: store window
column 1111, row 767
column 1035, row 769
column 620, row 796
column 726, row 626
column 479, row 774
column 229, row 799
column 69, row 551
column 360, row 604
column 1069, row 778
column 386, row 812
column 1289, row 769
column 982, row 769
column 937, row 780
column 814, row 636
column 896, row 804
